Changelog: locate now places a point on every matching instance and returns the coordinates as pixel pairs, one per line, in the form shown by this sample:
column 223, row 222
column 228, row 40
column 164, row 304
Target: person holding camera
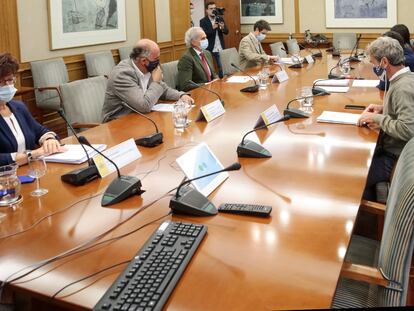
column 214, row 26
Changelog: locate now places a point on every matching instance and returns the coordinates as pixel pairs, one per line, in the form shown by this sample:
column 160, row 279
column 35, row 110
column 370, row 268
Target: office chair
column 82, row 101
column 387, row 262
column 293, row 46
column 170, row 73
column 124, row 52
column 278, row 49
column 99, row 63
column 228, row 56
column 49, row 74
column 344, row 41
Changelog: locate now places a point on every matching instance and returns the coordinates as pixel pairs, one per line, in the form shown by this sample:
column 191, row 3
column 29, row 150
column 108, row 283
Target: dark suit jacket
column 205, row 23
column 191, row 68
column 31, row 129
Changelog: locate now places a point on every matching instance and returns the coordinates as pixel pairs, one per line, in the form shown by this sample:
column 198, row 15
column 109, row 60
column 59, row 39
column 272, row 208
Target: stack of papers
column 239, row 79
column 339, row 117
column 333, row 85
column 74, row 154
column 365, row 83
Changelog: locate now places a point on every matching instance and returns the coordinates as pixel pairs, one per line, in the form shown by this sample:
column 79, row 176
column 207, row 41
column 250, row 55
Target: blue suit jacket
column 31, row 129
column 205, row 23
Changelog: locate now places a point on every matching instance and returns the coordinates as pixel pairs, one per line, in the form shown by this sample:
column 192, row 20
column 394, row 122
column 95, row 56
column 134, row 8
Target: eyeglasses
column 9, row 81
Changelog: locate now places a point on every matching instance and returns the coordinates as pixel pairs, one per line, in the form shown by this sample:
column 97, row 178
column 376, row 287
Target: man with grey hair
column 395, row 118
column 197, row 63
column 137, row 82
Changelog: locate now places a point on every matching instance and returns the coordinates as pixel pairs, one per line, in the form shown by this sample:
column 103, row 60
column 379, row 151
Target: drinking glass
column 263, row 76
column 9, row 186
column 37, row 169
column 305, row 103
column 345, row 68
column 180, row 114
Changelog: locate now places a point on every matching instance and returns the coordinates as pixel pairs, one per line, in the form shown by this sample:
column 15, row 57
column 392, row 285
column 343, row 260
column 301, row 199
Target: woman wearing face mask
column 197, row 62
column 20, row 134
column 250, row 48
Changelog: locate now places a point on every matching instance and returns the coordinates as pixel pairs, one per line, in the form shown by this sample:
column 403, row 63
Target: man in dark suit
column 214, row 27
column 197, row 63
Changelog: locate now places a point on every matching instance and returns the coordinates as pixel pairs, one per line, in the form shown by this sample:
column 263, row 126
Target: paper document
column 286, row 60
column 163, row 107
column 335, row 89
column 365, row 83
column 238, row 79
column 339, row 117
column 74, row 154
column 332, row 82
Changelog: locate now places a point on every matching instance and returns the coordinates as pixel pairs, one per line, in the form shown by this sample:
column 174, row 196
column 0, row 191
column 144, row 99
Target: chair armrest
column 84, row 125
column 366, row 274
column 372, row 207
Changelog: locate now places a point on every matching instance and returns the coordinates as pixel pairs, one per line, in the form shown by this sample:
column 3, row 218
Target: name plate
column 211, row 111
column 122, row 154
column 268, row 116
column 309, row 59
column 280, row 76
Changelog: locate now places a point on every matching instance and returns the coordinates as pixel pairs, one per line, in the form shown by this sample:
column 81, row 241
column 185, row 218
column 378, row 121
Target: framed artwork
column 253, row 10
column 361, row 13
column 74, row 23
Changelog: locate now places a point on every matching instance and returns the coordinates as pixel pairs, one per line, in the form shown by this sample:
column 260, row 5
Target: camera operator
column 214, row 26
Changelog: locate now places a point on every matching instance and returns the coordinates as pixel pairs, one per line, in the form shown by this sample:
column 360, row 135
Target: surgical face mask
column 260, row 37
column 152, row 65
column 204, row 44
column 7, row 93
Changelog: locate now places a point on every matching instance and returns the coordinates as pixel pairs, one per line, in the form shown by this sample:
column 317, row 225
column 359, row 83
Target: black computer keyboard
column 152, row 274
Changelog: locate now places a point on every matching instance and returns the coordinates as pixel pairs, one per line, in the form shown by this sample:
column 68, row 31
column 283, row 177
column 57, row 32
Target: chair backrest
column 228, row 56
column 293, row 46
column 170, row 73
column 344, row 41
column 83, row 99
column 278, row 49
column 398, row 235
column 124, row 52
column 99, row 63
column 48, row 73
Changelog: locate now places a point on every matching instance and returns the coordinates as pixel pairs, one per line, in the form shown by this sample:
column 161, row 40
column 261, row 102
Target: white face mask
column 7, row 92
column 204, row 44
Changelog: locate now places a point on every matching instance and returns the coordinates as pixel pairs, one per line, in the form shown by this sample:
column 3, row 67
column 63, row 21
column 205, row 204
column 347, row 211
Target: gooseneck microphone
column 316, row 90
column 82, row 175
column 354, row 58
column 120, row 188
column 333, row 76
column 208, row 90
column 190, row 201
column 250, row 149
column 298, row 63
column 296, row 113
column 151, row 140
column 250, row 89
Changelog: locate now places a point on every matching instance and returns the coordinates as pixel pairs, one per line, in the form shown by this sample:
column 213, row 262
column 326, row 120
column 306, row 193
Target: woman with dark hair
column 404, row 32
column 21, row 136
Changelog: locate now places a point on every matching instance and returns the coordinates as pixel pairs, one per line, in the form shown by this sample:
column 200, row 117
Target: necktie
column 205, row 66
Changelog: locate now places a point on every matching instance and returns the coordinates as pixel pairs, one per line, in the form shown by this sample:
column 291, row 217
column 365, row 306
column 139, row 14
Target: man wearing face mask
column 197, row 63
column 395, row 118
column 137, row 81
column 251, row 52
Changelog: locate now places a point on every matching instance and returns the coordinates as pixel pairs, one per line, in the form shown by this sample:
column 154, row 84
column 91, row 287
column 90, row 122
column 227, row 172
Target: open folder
column 74, row 154
column 339, row 117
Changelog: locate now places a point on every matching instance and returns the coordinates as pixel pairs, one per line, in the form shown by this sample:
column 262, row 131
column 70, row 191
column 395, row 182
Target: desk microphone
column 354, row 58
column 82, row 175
column 316, row 90
column 296, row 113
column 208, row 90
column 249, row 89
column 120, row 188
column 192, row 202
column 310, row 51
column 152, row 140
column 333, row 76
column 250, row 149
column 299, row 64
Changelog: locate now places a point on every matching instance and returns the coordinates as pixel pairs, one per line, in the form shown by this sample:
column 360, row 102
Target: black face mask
column 152, row 65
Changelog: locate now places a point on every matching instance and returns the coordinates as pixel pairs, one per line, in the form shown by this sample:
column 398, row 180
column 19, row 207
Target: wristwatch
column 28, row 154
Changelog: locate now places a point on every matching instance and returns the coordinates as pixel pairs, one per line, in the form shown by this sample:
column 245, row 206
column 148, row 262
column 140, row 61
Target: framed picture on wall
column 74, row 23
column 361, row 13
column 253, row 10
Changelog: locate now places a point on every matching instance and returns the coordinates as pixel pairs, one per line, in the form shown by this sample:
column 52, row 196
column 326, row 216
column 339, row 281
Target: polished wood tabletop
column 291, row 260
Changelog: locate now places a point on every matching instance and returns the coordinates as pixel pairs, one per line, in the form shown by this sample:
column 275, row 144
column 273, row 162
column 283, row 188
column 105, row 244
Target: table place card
column 268, row 116
column 122, row 154
column 309, row 59
column 280, row 76
column 211, row 111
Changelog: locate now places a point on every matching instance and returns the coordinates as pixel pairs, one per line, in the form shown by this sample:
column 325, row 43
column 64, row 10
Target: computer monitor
column 199, row 161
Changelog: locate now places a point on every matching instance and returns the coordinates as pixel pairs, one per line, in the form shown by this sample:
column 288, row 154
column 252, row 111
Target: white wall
column 199, row 11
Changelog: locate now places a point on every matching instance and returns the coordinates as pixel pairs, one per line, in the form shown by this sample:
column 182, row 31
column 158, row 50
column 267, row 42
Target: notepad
column 74, row 154
column 238, row 79
column 365, row 83
column 335, row 89
column 339, row 117
column 332, row 82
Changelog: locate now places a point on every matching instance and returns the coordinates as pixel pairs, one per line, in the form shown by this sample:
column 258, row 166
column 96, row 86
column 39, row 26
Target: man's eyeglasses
column 9, row 81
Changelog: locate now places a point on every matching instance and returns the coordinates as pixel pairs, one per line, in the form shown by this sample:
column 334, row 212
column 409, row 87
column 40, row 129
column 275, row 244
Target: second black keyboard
column 151, row 276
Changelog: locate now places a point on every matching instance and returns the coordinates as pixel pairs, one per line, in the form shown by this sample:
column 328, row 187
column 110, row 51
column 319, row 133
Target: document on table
column 332, row 82
column 74, row 154
column 238, row 79
column 335, row 89
column 163, row 107
column 339, row 117
column 365, row 83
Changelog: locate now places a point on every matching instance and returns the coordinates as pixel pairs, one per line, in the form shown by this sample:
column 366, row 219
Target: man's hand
column 221, row 25
column 188, row 99
column 367, row 119
column 157, row 74
column 215, row 25
column 273, row 58
column 374, row 109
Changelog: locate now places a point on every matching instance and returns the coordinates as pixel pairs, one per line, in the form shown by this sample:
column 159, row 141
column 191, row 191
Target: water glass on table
column 37, row 169
column 307, row 102
column 263, row 76
column 180, row 114
column 345, row 68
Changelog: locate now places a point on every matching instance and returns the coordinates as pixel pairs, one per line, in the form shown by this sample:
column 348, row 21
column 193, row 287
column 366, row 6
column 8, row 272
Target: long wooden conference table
column 291, row 260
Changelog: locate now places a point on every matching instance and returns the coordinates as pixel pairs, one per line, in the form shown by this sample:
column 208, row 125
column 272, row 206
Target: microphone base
column 335, row 77
column 319, row 91
column 295, row 66
column 336, row 54
column 354, row 59
column 250, row 149
column 250, row 89
column 296, row 113
column 80, row 176
column 120, row 189
column 317, row 55
column 192, row 202
column 150, row 141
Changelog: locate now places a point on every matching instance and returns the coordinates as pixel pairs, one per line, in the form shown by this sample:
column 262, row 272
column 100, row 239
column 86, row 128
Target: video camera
column 218, row 13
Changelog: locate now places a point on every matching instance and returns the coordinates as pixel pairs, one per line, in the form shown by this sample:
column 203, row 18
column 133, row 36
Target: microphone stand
column 296, row 113
column 249, row 89
column 250, row 149
column 191, row 202
column 208, row 90
column 354, row 58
